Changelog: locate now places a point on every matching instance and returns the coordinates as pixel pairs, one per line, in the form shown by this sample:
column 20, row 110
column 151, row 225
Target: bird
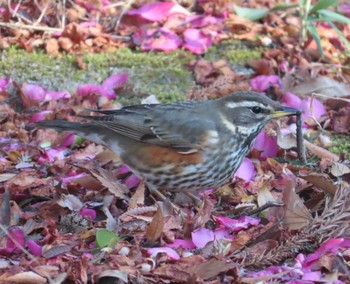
column 185, row 146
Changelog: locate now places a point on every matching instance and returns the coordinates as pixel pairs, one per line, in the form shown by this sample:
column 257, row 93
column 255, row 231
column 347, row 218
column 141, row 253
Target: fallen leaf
column 156, row 227
column 28, row 277
column 210, row 268
column 321, row 181
column 296, row 215
column 339, row 169
column 138, row 198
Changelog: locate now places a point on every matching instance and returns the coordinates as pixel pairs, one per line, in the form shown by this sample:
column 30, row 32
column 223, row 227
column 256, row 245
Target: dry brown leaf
column 321, row 181
column 138, row 198
column 326, row 86
column 28, row 277
column 210, row 268
column 6, row 176
column 265, row 196
column 52, row 251
column 339, row 169
column 108, row 180
column 156, row 227
column 320, row 152
column 296, row 215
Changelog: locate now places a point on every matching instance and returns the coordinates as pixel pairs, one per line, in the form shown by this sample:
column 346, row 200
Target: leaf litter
column 55, row 199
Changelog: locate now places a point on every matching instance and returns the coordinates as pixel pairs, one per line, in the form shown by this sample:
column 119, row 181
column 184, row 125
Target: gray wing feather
column 174, row 126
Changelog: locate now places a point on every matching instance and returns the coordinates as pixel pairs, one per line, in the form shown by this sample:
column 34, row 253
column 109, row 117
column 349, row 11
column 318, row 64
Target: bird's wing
column 177, row 126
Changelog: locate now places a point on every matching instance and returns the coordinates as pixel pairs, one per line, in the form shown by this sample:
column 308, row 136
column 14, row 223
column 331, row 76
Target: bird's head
column 248, row 112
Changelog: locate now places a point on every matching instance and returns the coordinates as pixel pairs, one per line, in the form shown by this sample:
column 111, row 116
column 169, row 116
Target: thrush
column 186, row 146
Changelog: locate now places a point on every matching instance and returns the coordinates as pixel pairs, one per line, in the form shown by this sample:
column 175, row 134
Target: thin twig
column 30, row 27
column 42, row 14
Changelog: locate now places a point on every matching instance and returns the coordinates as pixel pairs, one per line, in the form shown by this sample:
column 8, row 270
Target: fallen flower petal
column 155, row 12
column 72, row 176
column 132, row 181
column 14, row 241
column 246, row 170
column 236, row 225
column 196, row 41
column 312, row 107
column 201, row 237
column 4, row 84
column 43, row 115
column 152, row 252
column 263, row 82
column 88, row 213
column 88, row 89
column 266, row 144
column 186, row 244
column 157, row 39
column 34, row 92
column 57, row 95
column 34, row 248
column 115, row 81
column 52, row 154
column 291, row 100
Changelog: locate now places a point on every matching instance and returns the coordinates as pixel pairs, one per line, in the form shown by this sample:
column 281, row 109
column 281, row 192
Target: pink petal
column 201, row 237
column 88, row 89
column 43, row 115
column 291, row 100
column 331, row 246
column 68, row 139
column 236, row 225
column 196, row 41
column 246, row 170
column 262, row 82
column 157, row 39
column 14, row 241
column 312, row 276
column 115, row 81
column 312, row 107
column 34, row 248
column 132, row 181
column 267, row 145
column 186, row 244
column 4, row 84
column 199, row 21
column 54, row 154
column 222, row 233
column 33, row 91
column 57, row 95
column 155, row 12
column 71, row 177
column 345, row 9
column 107, row 92
column 89, row 213
column 123, row 170
column 168, row 251
column 283, row 66
column 90, row 24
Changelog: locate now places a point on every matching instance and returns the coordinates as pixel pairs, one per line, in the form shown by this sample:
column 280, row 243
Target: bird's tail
column 61, row 125
column 84, row 129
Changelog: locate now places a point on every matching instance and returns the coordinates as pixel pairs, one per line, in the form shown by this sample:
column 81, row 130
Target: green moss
column 162, row 74
column 234, row 51
column 341, row 145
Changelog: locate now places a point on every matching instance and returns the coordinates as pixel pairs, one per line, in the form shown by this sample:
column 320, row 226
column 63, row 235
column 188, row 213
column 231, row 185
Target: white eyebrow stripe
column 229, row 125
column 244, row 104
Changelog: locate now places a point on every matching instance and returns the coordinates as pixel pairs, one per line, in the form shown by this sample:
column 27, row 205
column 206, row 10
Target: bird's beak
column 285, row 111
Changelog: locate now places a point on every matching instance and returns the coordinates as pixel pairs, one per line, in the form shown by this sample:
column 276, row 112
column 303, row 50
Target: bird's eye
column 256, row 109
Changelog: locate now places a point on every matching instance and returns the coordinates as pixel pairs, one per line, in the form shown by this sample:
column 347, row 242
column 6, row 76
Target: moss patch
column 341, row 145
column 161, row 74
column 236, row 52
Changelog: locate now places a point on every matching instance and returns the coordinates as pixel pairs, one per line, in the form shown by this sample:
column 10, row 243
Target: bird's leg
column 161, row 196
column 194, row 198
